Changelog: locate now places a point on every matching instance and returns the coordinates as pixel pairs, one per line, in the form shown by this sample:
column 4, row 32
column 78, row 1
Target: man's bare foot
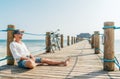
column 67, row 61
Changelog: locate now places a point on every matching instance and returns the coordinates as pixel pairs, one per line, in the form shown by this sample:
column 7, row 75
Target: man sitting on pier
column 24, row 58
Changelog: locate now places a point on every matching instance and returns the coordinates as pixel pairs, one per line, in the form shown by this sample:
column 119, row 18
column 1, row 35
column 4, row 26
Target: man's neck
column 18, row 40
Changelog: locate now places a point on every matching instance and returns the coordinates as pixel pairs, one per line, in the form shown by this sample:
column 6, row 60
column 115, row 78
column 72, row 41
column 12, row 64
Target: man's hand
column 32, row 57
column 27, row 58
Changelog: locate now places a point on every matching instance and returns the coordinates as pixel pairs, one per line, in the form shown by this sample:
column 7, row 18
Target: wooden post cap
column 108, row 23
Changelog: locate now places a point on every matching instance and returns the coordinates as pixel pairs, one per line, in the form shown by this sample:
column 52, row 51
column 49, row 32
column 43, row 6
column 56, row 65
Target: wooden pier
column 84, row 64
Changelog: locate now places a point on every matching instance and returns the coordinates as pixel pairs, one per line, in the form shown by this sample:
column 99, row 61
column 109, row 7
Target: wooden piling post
column 97, row 43
column 74, row 40
column 10, row 60
column 62, row 40
column 109, row 46
column 71, row 40
column 93, row 43
column 68, row 40
column 48, row 42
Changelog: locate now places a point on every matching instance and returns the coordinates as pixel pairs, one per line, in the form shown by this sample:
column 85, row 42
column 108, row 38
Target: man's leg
column 53, row 62
column 30, row 64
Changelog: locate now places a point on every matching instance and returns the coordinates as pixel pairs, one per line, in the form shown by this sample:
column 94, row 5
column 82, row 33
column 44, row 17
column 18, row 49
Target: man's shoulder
column 13, row 43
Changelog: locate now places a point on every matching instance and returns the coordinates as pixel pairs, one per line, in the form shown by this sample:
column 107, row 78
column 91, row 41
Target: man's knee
column 30, row 64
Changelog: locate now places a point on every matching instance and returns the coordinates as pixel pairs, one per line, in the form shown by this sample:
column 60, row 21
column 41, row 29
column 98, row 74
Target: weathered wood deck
column 84, row 64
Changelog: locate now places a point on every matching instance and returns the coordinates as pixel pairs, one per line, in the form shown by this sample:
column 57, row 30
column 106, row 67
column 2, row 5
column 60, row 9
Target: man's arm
column 14, row 52
column 24, row 58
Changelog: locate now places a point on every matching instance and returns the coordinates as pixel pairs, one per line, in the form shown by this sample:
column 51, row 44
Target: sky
column 72, row 17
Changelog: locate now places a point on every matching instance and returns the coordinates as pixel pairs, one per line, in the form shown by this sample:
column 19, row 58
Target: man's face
column 18, row 36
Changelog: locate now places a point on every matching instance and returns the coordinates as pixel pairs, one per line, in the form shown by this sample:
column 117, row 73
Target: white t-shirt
column 18, row 50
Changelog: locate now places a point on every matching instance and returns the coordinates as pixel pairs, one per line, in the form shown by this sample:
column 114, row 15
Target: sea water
column 116, row 47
